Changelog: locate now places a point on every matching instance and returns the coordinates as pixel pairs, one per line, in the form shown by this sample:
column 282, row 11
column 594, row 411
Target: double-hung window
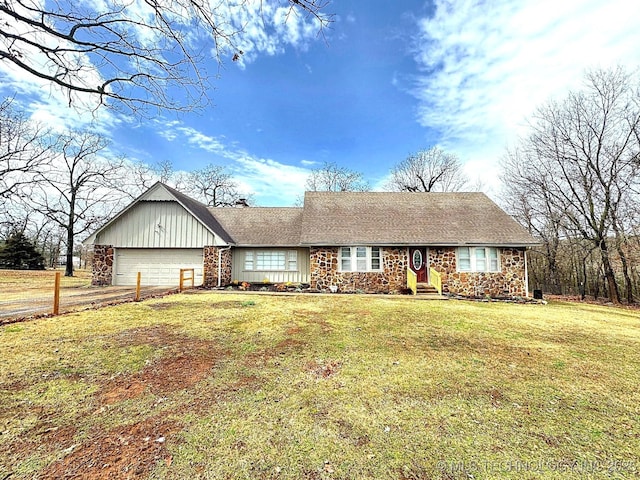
column 478, row 259
column 464, row 259
column 360, row 259
column 270, row 260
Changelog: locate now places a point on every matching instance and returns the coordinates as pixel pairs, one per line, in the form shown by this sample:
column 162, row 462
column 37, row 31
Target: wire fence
column 28, row 294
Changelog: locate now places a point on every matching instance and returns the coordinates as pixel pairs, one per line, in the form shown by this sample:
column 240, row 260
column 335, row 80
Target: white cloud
column 202, row 141
column 486, row 66
column 267, row 27
column 271, row 182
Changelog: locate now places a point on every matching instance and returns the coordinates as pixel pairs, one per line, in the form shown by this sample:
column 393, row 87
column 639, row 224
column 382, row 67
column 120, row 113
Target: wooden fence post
column 138, row 288
column 56, row 295
column 182, row 278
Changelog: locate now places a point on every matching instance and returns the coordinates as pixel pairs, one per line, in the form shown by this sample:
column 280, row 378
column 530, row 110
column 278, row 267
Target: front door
column 418, row 261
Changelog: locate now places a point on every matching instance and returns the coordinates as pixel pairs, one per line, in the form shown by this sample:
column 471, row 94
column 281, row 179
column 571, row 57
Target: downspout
column 220, row 250
column 526, row 274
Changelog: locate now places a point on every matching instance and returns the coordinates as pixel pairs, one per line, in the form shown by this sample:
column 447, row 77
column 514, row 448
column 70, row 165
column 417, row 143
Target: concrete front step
column 425, row 288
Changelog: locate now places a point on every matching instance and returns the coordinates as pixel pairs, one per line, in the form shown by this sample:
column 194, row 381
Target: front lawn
column 34, row 284
column 225, row 385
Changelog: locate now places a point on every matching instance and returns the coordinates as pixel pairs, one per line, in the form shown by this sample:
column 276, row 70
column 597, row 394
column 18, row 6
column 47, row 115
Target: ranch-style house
column 373, row 242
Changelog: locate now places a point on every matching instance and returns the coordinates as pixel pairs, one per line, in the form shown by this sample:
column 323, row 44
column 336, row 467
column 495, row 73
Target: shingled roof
column 359, row 218
column 261, row 226
column 394, row 218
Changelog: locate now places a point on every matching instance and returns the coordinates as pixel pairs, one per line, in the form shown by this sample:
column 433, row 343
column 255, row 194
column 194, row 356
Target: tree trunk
column 621, row 240
column 609, row 274
column 68, row 271
column 628, row 284
column 554, row 277
column 583, row 285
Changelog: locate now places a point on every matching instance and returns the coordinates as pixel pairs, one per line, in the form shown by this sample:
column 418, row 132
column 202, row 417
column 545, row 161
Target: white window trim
column 354, row 259
column 473, row 257
column 290, row 260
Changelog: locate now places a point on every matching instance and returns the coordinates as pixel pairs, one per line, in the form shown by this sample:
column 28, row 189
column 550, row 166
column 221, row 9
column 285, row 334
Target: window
column 464, row 259
column 269, row 260
column 481, row 259
column 292, row 260
column 478, row 259
column 248, row 261
column 493, row 260
column 375, row 258
column 345, row 259
column 360, row 259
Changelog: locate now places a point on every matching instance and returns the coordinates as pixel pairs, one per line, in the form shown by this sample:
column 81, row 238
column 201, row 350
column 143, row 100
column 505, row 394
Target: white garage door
column 157, row 266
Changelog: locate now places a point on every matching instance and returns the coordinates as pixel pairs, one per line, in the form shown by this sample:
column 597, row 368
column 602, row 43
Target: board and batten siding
column 156, row 224
column 301, row 275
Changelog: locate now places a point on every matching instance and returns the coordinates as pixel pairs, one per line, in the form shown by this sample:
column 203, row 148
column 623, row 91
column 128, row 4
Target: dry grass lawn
column 216, row 385
column 22, row 284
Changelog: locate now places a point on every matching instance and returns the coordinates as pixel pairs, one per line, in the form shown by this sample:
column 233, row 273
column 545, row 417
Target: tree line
column 574, row 182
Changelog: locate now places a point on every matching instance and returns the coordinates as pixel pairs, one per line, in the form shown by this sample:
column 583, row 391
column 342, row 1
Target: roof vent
column 242, row 202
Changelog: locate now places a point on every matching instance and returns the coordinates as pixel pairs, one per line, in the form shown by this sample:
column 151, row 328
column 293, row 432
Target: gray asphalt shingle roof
column 261, row 226
column 376, row 218
column 402, row 218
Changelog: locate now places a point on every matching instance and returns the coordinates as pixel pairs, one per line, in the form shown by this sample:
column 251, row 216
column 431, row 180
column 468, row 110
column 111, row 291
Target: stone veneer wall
column 102, row 267
column 509, row 282
column 324, row 272
column 210, row 277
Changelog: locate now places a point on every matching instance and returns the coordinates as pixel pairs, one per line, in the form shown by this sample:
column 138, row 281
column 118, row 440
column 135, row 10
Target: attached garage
column 157, row 266
column 158, row 234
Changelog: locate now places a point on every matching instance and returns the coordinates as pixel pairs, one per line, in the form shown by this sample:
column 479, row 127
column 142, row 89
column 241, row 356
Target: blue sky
column 387, row 79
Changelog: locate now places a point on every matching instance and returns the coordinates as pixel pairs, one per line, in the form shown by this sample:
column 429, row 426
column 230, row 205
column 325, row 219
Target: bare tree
column 333, row 178
column 431, row 170
column 163, row 170
column 21, row 149
column 580, row 163
column 130, row 54
column 141, row 176
column 530, row 209
column 80, row 188
column 213, row 185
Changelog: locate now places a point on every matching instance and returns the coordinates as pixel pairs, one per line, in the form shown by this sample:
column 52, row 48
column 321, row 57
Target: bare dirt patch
column 294, row 330
column 185, row 362
column 130, row 451
column 325, row 326
column 285, row 347
column 49, row 435
column 323, row 368
column 155, row 335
